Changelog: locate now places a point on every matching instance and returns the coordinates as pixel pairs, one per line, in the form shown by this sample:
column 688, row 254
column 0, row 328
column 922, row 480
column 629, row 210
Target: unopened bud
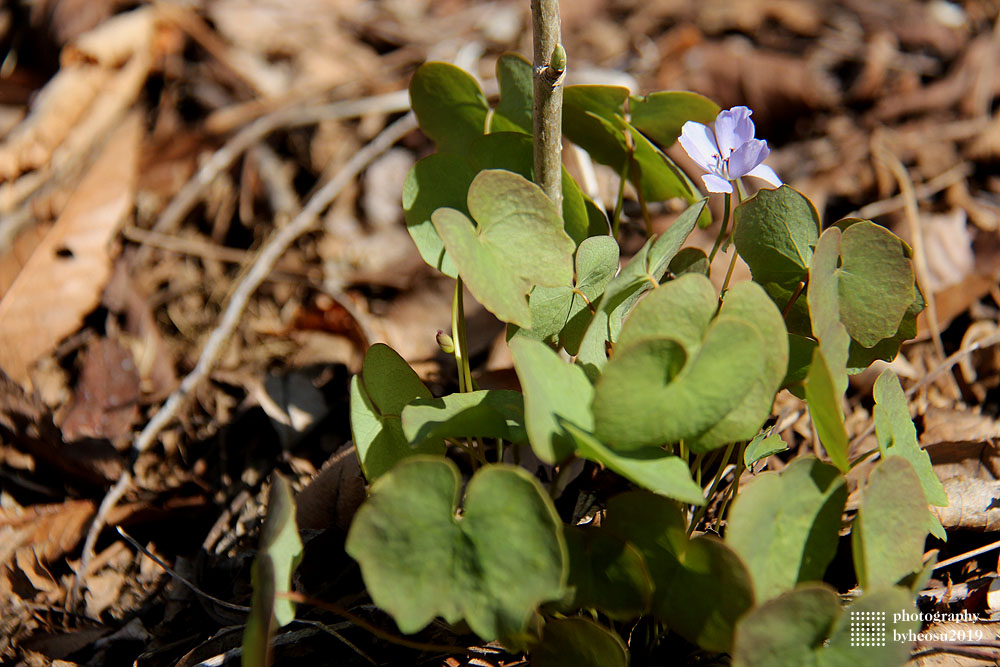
column 445, row 342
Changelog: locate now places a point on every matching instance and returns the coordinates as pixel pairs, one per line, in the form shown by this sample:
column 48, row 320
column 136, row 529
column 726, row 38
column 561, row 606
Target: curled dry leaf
column 63, row 279
column 969, row 474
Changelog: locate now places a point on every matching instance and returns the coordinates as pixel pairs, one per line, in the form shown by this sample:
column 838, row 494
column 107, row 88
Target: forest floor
column 149, row 153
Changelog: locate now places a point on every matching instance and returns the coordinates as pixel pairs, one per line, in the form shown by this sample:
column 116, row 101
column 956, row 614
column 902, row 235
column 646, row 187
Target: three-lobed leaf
column 487, row 413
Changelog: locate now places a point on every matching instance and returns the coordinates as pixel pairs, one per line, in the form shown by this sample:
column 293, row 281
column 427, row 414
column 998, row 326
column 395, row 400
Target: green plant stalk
column 711, row 491
column 465, row 383
column 550, row 69
column 740, row 195
column 722, row 232
column 735, row 489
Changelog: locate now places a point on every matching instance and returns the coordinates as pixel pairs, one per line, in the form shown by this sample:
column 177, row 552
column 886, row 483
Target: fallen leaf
column 63, row 279
column 105, row 401
column 968, row 473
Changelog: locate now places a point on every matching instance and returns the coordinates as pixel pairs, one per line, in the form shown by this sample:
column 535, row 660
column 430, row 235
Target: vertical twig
column 550, row 69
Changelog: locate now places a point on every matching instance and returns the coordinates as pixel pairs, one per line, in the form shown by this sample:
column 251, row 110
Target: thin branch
column 550, row 70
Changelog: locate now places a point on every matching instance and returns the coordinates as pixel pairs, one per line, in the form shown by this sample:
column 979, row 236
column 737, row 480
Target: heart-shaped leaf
column 578, row 642
column 492, row 413
column 556, row 392
column 785, row 525
column 888, row 534
column 805, row 627
column 492, row 565
column 773, row 232
column 449, row 105
column 676, row 373
column 561, row 314
column 378, row 395
column 642, row 272
column 651, row 469
column 517, row 242
column 606, row 573
column 701, row 585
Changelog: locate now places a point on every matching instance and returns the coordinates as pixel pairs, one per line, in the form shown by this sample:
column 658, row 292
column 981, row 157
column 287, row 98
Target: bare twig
column 550, row 69
column 262, row 266
column 221, row 160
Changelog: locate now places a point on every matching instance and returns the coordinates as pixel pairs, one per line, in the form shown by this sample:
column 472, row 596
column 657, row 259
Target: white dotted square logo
column 867, row 628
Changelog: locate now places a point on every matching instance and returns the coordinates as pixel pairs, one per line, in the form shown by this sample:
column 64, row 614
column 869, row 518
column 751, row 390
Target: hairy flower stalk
column 728, row 153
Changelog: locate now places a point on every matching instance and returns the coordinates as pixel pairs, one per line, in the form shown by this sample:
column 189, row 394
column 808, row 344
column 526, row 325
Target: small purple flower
column 728, row 153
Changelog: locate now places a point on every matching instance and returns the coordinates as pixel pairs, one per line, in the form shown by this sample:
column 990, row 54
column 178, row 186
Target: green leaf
column 587, row 111
column 660, row 116
column 561, row 314
column 689, row 260
column 761, row 447
column 517, row 242
column 749, row 302
column 513, row 151
column 491, row 566
column 825, row 409
column 888, row 534
column 824, row 308
column 449, row 105
column 805, row 627
column 437, row 181
column 886, row 349
column 785, row 525
column 513, row 112
column 378, row 395
column 654, row 470
column 800, row 354
column 898, row 437
column 578, row 642
column 606, row 573
column 701, row 586
column 594, row 119
column 876, row 282
column 488, row 413
column 278, row 554
column 555, row 392
column 773, row 232
column 642, row 272
column 674, row 376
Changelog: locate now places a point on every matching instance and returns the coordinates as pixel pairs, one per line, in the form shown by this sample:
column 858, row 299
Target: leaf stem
column 734, row 489
column 795, row 297
column 711, row 491
column 722, row 232
column 465, row 383
column 616, row 217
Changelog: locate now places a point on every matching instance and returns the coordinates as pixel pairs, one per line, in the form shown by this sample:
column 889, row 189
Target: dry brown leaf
column 100, row 79
column 52, row 530
column 969, row 474
column 105, row 400
column 63, row 280
column 334, row 495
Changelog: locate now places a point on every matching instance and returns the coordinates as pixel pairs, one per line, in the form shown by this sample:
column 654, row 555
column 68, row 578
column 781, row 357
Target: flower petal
column 765, row 173
column 699, row 142
column 746, row 157
column 716, row 183
column 733, row 128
